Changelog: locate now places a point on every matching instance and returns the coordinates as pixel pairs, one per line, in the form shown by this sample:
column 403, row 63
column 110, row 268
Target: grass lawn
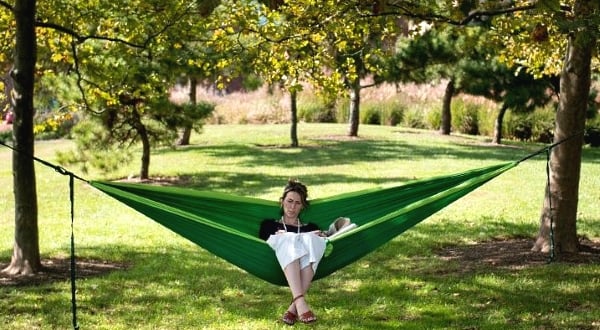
column 466, row 267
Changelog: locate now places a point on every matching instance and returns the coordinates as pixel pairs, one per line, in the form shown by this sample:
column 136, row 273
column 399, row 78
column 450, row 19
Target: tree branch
column 82, row 38
column 473, row 15
column 481, row 13
column 6, row 5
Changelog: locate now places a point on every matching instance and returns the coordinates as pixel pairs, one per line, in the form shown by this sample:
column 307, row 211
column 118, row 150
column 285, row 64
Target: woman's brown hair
column 297, row 187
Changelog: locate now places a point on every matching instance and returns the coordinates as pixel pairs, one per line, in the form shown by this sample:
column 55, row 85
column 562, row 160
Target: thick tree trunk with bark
column 26, row 252
column 497, row 138
column 294, row 118
column 354, row 117
column 446, row 122
column 184, row 139
column 559, row 212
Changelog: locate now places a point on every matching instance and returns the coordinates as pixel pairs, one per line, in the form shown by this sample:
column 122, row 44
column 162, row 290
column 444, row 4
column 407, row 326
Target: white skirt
column 307, row 247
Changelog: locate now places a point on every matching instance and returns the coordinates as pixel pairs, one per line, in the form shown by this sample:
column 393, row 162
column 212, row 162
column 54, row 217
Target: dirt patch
column 515, row 254
column 59, row 269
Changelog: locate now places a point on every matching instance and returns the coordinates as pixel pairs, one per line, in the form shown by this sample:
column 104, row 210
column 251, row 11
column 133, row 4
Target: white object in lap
column 307, row 247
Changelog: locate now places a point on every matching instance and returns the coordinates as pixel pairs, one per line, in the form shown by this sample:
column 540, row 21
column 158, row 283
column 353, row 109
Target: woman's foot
column 291, row 315
column 289, row 318
column 305, row 315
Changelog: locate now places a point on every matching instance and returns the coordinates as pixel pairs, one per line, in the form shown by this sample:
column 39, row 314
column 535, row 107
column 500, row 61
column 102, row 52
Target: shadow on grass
column 329, row 153
column 333, row 152
column 481, row 285
column 258, row 183
column 456, row 286
column 135, row 294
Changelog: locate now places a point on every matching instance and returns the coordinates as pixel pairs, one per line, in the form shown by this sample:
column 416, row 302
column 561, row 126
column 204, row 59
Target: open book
column 340, row 226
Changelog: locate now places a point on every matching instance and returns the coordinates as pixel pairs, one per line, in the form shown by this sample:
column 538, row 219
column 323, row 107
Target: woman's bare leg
column 299, row 281
column 293, row 277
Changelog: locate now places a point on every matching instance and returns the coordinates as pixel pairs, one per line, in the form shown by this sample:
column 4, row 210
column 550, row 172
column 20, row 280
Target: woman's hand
column 319, row 233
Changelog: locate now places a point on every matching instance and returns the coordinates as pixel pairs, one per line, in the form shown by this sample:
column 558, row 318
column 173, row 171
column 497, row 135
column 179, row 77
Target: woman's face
column 292, row 205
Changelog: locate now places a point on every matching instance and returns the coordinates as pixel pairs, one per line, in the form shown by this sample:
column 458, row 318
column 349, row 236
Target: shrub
column 392, row 112
column 542, row 121
column 534, row 126
column 252, row 82
column 6, row 135
column 516, row 125
column 414, row 118
column 93, row 149
column 315, row 109
column 592, row 136
column 523, row 131
column 487, row 120
column 315, row 112
column 592, row 132
column 433, row 119
column 342, row 110
column 370, row 114
column 465, row 117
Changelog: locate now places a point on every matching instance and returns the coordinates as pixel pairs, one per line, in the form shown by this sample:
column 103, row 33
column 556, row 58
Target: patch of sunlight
column 352, row 285
column 232, row 293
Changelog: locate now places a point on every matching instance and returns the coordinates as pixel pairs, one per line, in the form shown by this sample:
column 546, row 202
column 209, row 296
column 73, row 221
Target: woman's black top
column 270, row 226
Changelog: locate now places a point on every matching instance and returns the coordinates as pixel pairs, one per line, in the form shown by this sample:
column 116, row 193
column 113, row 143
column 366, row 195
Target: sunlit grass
column 172, row 284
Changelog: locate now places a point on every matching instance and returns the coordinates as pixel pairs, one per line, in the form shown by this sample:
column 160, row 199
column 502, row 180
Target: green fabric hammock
column 227, row 225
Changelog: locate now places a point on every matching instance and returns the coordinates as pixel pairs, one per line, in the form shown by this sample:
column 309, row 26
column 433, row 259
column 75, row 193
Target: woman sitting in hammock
column 298, row 246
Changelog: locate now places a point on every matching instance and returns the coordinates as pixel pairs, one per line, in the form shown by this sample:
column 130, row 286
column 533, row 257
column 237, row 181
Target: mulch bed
column 507, row 254
column 59, row 269
column 515, row 254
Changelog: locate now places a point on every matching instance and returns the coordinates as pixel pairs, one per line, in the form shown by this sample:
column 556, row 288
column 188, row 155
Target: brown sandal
column 306, row 317
column 289, row 318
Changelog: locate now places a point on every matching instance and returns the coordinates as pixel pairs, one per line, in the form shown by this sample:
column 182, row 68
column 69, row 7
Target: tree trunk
column 294, row 118
column 354, row 109
column 497, row 139
column 145, row 170
column 145, row 139
column 559, row 211
column 26, row 250
column 446, row 122
column 184, row 139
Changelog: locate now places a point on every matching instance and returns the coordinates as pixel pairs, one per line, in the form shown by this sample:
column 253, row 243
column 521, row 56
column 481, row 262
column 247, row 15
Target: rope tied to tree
column 548, row 150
